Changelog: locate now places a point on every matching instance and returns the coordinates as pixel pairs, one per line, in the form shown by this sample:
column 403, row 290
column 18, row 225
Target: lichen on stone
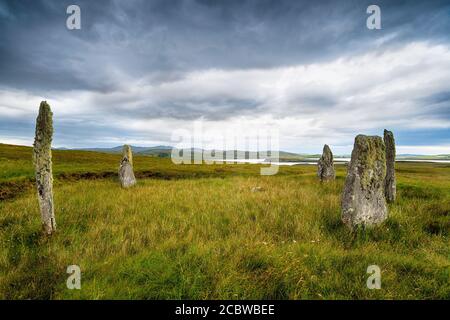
column 42, row 159
column 390, row 181
column 325, row 165
column 371, row 158
column 127, row 153
column 363, row 201
column 126, row 174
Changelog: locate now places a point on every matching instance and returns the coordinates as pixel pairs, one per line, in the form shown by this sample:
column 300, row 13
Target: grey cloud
column 77, row 134
column 437, row 98
column 208, row 109
column 139, row 38
column 132, row 44
column 436, row 105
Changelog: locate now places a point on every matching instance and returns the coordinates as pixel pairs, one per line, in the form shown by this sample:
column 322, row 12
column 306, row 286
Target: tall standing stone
column 363, row 201
column 126, row 152
column 126, row 174
column 389, row 183
column 325, row 165
column 42, row 158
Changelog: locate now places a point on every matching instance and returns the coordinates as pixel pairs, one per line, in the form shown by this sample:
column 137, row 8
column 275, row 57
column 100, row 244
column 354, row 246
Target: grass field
column 200, row 231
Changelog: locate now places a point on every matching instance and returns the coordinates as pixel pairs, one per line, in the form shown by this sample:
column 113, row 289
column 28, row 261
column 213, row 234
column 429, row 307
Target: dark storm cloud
column 134, row 39
column 436, row 106
column 16, row 127
column 76, row 134
column 183, row 60
column 438, row 98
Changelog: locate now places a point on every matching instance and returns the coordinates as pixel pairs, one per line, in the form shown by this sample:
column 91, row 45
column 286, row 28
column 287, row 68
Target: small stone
column 363, row 201
column 126, row 174
column 325, row 165
column 389, row 183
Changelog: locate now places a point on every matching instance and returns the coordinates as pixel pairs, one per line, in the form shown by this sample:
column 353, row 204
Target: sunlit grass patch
column 238, row 235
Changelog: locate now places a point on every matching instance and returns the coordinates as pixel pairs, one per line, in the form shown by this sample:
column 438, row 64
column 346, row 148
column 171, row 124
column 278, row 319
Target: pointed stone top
column 44, row 109
column 126, row 147
column 325, row 166
column 127, row 153
column 327, row 154
column 388, row 136
column 44, row 124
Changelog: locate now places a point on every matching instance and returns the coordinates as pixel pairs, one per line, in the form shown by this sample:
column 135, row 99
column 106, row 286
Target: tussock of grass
column 196, row 235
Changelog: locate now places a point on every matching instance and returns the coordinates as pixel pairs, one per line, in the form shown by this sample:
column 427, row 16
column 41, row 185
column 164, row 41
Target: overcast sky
column 138, row 70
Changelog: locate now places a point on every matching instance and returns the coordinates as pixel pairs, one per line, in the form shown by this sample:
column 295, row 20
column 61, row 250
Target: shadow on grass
column 389, row 231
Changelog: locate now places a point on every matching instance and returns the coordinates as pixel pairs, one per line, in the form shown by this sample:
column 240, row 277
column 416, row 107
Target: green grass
column 200, row 232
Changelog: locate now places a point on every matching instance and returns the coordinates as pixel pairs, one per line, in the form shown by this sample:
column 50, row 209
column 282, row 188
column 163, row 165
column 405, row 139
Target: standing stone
column 126, row 152
column 126, row 175
column 363, row 201
column 389, row 182
column 42, row 158
column 325, row 166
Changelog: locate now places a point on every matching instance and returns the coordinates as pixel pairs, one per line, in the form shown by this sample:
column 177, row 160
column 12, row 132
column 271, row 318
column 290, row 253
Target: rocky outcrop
column 325, row 165
column 42, row 159
column 363, row 200
column 389, row 182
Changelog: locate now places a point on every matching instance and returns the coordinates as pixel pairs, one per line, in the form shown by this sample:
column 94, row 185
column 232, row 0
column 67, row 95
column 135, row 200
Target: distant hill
column 155, row 151
column 423, row 157
column 165, row 152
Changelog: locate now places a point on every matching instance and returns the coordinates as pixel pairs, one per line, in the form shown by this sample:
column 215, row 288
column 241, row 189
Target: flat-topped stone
column 363, row 200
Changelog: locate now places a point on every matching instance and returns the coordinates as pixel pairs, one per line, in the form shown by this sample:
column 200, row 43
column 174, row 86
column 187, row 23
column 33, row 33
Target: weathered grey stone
column 126, row 152
column 389, row 183
column 325, row 165
column 126, row 174
column 363, row 201
column 42, row 159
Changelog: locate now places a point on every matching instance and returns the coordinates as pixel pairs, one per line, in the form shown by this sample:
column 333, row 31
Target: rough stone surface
column 126, row 174
column 363, row 201
column 325, row 166
column 126, row 152
column 42, row 159
column 390, row 188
